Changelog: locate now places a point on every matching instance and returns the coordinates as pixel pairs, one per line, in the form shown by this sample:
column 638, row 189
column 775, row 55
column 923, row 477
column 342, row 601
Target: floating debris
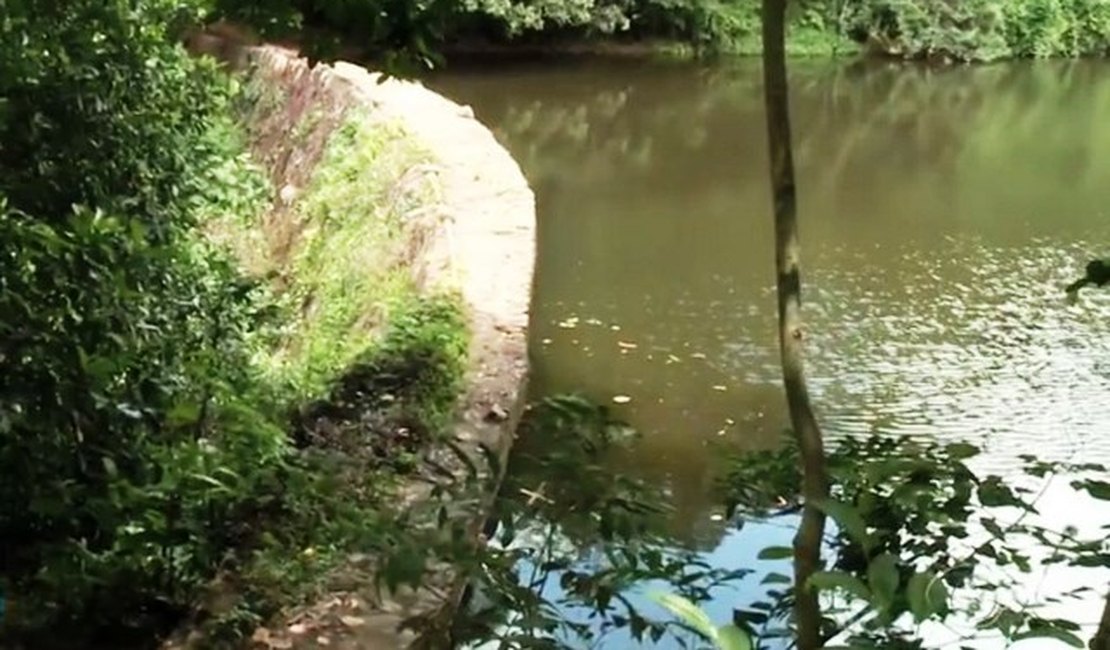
column 716, row 517
column 615, row 328
column 621, row 399
column 569, row 323
column 730, row 421
column 626, row 345
column 546, row 341
column 720, row 387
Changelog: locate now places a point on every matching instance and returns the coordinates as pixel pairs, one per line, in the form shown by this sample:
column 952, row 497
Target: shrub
column 130, row 425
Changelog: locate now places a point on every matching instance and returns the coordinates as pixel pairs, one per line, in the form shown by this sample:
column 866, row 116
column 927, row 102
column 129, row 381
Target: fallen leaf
column 281, row 644
column 323, row 640
column 261, row 635
column 298, row 628
column 352, row 621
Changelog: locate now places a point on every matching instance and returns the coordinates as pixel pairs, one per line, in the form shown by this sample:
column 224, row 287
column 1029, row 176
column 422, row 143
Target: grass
column 370, row 366
column 347, row 272
column 354, row 446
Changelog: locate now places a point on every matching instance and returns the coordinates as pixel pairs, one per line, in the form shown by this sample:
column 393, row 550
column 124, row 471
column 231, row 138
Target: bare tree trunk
column 1101, row 640
column 807, row 543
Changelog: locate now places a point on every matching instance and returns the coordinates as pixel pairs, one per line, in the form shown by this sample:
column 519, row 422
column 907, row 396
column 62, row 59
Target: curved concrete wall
column 480, row 242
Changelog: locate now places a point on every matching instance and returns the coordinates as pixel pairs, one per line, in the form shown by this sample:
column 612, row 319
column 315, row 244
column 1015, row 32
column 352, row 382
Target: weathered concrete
column 480, row 243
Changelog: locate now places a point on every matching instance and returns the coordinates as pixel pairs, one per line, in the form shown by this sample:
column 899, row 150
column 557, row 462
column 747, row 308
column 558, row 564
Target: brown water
column 941, row 213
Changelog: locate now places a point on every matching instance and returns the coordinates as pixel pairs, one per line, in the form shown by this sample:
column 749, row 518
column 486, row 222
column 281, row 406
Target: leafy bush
column 101, row 108
column 131, row 429
column 983, row 30
column 971, row 30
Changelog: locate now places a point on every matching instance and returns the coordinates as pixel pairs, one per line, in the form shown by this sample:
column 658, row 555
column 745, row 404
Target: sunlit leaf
column 825, row 580
column 882, row 577
column 730, row 637
column 1052, row 633
column 776, row 553
column 917, row 591
column 775, row 578
column 936, row 596
column 689, row 613
column 848, row 518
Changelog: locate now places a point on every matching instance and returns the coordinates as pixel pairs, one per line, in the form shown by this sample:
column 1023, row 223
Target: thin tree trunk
column 1101, row 640
column 807, row 543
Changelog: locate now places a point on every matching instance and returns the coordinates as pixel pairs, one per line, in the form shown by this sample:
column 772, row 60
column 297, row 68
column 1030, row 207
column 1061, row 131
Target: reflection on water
column 941, row 213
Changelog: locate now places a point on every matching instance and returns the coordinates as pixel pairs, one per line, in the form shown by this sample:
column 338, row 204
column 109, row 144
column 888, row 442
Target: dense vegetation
column 148, row 440
column 977, row 30
column 166, row 420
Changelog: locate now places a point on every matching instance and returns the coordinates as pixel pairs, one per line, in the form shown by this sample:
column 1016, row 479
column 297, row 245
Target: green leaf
column 775, row 578
column 961, row 450
column 211, row 481
column 1097, row 489
column 776, row 553
column 848, row 518
column 110, row 467
column 882, row 577
column 689, row 613
column 183, row 414
column 917, row 591
column 731, row 637
column 994, row 493
column 1052, row 633
column 936, row 596
column 824, row 580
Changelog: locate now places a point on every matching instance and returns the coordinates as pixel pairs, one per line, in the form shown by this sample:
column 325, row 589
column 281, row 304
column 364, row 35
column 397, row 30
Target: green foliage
column 408, row 380
column 101, row 107
column 130, row 429
column 123, row 435
column 725, row 637
column 346, row 276
column 414, row 32
column 904, row 510
column 562, row 516
column 144, row 449
column 973, row 30
column 983, row 30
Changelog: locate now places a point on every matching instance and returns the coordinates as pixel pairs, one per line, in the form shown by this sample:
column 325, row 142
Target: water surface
column 941, row 212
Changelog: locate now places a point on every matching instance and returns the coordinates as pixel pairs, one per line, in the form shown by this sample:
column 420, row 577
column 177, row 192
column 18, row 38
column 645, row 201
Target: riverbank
column 984, row 30
column 387, row 195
